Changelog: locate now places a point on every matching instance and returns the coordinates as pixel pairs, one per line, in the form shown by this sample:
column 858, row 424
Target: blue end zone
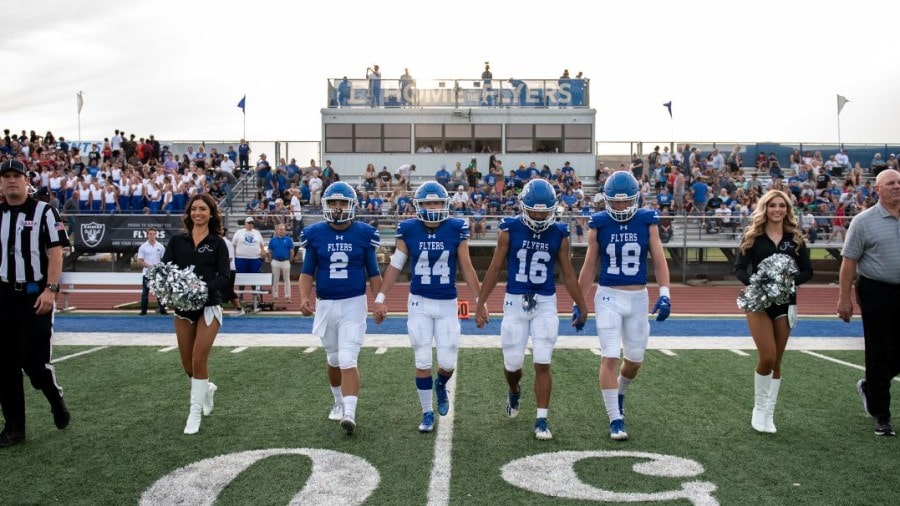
column 700, row 327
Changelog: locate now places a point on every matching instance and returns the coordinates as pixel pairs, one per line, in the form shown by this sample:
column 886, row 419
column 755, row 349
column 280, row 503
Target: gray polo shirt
column 873, row 240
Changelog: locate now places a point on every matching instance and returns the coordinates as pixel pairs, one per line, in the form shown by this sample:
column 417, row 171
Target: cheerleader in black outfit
column 202, row 247
column 772, row 229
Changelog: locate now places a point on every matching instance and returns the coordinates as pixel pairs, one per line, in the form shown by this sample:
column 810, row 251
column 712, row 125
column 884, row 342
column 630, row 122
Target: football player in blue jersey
column 340, row 256
column 530, row 246
column 436, row 246
column 619, row 239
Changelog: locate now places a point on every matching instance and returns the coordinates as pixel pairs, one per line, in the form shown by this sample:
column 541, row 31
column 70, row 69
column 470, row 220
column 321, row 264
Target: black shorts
column 777, row 311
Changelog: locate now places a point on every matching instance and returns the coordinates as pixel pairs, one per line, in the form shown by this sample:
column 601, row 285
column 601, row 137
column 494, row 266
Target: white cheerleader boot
column 208, row 400
column 199, row 389
column 760, row 401
column 770, row 405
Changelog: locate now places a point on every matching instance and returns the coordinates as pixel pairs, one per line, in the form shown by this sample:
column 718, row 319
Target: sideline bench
column 132, row 282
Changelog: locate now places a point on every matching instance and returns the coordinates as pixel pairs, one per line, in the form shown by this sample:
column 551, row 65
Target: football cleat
column 427, row 424
column 617, row 430
column 542, row 430
column 443, row 401
column 348, row 423
column 337, row 411
column 512, row 403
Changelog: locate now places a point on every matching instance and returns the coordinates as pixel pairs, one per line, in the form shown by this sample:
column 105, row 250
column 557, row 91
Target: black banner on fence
column 120, row 233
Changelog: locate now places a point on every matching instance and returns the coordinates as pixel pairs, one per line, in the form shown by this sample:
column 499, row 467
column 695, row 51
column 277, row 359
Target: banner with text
column 120, row 233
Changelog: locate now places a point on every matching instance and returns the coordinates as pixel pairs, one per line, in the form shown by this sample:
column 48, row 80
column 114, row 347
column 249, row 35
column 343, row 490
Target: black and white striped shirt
column 27, row 231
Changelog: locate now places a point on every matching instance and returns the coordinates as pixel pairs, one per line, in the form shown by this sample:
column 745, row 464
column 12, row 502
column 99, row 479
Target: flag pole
column 80, row 101
column 841, row 102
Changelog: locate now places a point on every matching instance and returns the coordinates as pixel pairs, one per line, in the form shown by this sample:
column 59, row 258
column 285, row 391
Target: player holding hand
column 530, row 246
column 618, row 242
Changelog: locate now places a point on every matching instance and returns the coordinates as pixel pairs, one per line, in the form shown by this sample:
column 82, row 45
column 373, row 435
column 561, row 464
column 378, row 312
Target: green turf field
column 688, row 416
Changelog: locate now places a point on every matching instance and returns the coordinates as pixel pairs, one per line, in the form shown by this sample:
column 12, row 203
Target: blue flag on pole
column 667, row 105
column 242, row 104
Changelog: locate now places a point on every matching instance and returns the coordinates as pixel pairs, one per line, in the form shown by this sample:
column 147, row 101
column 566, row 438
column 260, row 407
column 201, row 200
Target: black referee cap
column 13, row 165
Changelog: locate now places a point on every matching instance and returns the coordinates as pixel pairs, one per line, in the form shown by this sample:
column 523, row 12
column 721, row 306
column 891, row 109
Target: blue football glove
column 664, row 306
column 577, row 322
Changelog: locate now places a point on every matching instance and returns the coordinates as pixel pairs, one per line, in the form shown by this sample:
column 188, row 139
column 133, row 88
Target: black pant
column 145, row 298
column 24, row 344
column 878, row 304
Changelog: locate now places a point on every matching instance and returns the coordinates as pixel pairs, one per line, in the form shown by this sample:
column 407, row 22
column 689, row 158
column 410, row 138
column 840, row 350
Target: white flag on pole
column 842, row 100
column 80, row 101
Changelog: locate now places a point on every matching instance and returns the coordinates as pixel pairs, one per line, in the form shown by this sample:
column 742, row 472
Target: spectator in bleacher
column 822, row 180
column 401, row 201
column 404, row 172
column 808, row 224
column 315, row 189
column 666, row 227
column 843, row 161
column 263, row 172
column 460, row 199
column 370, row 178
column 384, row 182
column 678, row 192
column 699, row 196
column 243, row 156
column 891, row 162
column 296, row 208
column 479, row 221
column 724, row 218
column 442, row 176
column 762, row 162
column 249, row 249
column 499, row 174
column 637, row 166
column 664, row 199
column 653, row 161
column 473, row 176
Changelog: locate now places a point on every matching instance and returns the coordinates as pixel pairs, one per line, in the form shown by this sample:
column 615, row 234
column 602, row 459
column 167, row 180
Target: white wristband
column 664, row 291
column 379, row 299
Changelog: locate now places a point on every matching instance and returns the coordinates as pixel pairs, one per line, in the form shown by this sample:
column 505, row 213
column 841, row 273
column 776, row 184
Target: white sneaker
column 348, row 423
column 337, row 411
column 239, row 312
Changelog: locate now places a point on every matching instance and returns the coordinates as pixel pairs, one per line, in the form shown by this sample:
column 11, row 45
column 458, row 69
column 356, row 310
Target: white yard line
column 669, row 353
column 311, row 342
column 439, row 486
column 239, row 349
column 168, row 349
column 839, row 361
column 381, row 350
column 740, row 352
column 80, row 353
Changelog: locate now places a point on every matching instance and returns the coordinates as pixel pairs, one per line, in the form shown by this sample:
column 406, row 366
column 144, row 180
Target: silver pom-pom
column 772, row 284
column 181, row 288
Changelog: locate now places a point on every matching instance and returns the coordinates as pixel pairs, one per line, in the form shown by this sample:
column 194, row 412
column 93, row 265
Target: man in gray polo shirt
column 872, row 250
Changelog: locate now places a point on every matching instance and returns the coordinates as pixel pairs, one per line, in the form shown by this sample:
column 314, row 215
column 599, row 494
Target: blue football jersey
column 341, row 261
column 432, row 255
column 623, row 247
column 531, row 257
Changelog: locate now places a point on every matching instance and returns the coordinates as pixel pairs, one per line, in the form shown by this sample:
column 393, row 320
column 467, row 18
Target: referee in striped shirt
column 32, row 238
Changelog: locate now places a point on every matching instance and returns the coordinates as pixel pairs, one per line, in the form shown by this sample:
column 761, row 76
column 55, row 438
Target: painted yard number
column 203, row 481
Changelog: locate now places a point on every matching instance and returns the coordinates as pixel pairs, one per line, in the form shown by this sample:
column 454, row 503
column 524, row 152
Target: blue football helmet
column 431, row 191
column 621, row 186
column 538, row 196
column 339, row 191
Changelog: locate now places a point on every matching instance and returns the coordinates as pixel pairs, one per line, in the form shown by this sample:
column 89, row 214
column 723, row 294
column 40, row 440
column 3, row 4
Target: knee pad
column 347, row 359
column 332, row 359
column 422, row 357
column 446, row 357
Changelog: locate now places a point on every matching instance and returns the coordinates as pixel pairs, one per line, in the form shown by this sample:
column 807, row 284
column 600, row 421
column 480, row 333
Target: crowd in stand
column 715, row 187
column 129, row 175
column 122, row 175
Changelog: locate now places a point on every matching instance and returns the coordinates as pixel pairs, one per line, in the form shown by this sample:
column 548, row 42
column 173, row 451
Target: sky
column 734, row 71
